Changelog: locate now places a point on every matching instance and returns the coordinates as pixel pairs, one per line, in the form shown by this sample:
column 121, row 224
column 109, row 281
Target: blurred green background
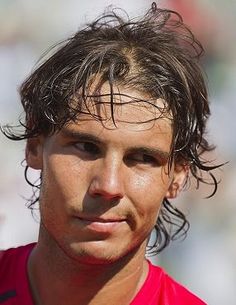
column 204, row 262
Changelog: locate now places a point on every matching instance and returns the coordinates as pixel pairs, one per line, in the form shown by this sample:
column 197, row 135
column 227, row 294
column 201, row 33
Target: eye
column 143, row 158
column 87, row 147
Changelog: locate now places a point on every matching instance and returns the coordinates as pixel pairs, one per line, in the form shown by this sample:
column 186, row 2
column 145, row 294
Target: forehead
column 124, row 107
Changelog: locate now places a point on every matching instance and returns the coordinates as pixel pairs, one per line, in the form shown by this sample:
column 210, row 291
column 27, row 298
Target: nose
column 107, row 180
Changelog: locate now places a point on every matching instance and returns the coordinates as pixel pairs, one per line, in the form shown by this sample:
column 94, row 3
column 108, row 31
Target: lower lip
column 102, row 227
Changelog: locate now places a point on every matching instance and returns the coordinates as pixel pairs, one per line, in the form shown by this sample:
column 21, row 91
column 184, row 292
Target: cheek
column 148, row 192
column 65, row 175
column 154, row 184
column 62, row 185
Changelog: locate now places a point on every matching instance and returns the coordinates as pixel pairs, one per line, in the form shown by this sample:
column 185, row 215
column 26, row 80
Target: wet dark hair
column 156, row 55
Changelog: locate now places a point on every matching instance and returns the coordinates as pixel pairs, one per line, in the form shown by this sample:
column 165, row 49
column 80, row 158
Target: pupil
column 147, row 158
column 90, row 147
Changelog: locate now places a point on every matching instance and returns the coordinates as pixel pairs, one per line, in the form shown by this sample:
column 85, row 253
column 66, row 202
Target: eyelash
column 144, row 159
column 88, row 147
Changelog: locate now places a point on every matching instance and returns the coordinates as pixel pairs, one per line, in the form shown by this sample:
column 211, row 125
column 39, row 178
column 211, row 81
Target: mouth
column 102, row 220
column 102, row 225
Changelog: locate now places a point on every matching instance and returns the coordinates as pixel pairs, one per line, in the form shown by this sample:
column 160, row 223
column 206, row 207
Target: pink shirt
column 158, row 288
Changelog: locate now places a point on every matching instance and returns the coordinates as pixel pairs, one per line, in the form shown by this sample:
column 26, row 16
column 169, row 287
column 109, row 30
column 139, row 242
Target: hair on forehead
column 102, row 105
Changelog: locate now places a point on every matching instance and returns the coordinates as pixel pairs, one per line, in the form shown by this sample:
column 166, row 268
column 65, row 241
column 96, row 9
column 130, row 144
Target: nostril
column 111, row 196
column 107, row 190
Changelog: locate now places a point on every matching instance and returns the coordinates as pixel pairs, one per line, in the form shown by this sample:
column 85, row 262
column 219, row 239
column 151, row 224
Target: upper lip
column 101, row 219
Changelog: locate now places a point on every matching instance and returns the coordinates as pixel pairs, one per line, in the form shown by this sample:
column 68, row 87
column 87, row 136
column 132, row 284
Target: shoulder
column 12, row 252
column 173, row 292
column 12, row 257
column 13, row 274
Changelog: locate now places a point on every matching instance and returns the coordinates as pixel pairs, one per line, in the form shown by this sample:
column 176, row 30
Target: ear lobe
column 34, row 153
column 178, row 181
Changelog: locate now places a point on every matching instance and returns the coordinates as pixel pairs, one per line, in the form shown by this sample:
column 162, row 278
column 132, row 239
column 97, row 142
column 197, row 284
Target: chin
column 99, row 253
column 93, row 252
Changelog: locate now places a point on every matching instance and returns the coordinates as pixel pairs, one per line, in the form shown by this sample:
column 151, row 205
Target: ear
column 178, row 181
column 34, row 152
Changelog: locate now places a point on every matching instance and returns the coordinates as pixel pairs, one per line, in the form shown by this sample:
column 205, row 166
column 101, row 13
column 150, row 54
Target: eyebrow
column 78, row 135
column 83, row 136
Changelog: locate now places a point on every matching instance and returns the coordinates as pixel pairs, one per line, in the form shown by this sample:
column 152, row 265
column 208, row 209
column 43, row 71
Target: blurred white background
column 205, row 262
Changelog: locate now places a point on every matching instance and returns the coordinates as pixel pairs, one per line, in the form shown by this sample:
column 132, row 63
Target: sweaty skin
column 102, row 189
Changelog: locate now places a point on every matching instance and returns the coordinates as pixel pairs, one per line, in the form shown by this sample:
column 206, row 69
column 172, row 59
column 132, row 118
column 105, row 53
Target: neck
column 56, row 278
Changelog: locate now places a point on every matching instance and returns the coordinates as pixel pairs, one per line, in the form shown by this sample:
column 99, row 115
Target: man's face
column 103, row 185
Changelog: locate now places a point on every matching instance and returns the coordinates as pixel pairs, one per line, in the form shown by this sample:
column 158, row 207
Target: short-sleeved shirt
column 158, row 288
